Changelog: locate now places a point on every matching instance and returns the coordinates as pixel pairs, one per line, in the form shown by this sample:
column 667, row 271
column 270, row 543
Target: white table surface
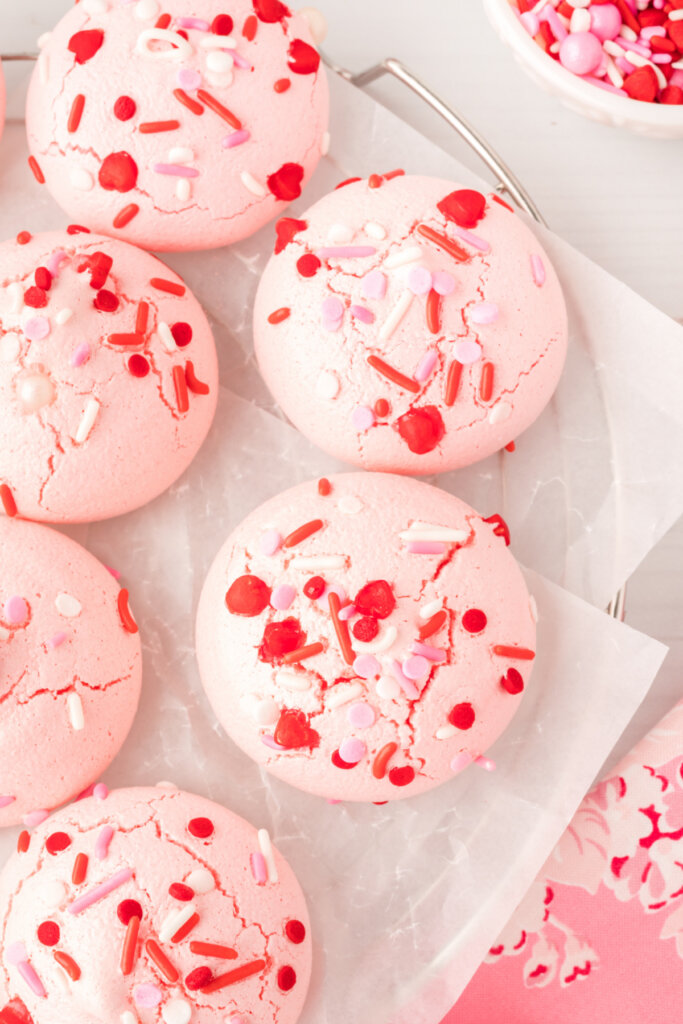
column 616, row 197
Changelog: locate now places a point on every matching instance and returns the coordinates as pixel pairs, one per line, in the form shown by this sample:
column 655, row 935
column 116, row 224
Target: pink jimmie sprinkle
column 239, row 1020
column 100, row 891
column 426, row 365
column 662, row 58
column 102, row 842
column 374, row 285
column 37, row 328
column 270, row 741
column 5, row 801
column 366, row 316
column 282, row 597
column 147, row 995
column 443, row 283
column 426, row 547
column 15, row 610
column 486, row 763
column 270, row 542
column 197, row 23
column 34, row 818
column 55, row 262
column 100, row 791
column 366, row 666
column 363, row 417
column 537, row 270
column 188, row 79
column 607, row 86
column 352, row 750
column 17, row 956
column 484, row 313
column 236, row 138
column 177, row 170
column 56, row 641
column 344, row 251
column 114, row 572
column 239, row 60
column 419, row 280
column 474, row 240
column 550, row 15
column 347, row 612
column 427, row 651
column 258, row 868
column 461, row 761
column 407, row 685
column 361, row 715
column 81, row 354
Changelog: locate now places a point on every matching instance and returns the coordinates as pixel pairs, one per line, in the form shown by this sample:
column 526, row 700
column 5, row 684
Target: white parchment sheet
column 407, row 897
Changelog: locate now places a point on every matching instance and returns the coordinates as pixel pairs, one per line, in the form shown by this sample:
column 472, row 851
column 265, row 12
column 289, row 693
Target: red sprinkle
column 278, row 315
column 302, row 653
column 302, row 58
column 302, row 533
column 376, row 599
column 249, row 27
column 285, row 183
column 182, row 334
column 141, row 319
column 421, row 429
column 213, row 949
column 24, row 237
column 500, row 527
column 282, row 85
column 285, row 230
column 159, row 958
column 501, row 202
column 43, row 278
column 508, row 651
column 198, row 978
column 286, row 978
column 23, row 841
column 77, row 229
column 180, row 891
column 222, row 25
column 280, row 638
column 180, row 385
column 68, row 963
column 126, row 340
column 218, row 108
column 512, row 681
column 153, row 127
column 379, row 765
column 185, row 929
column 245, row 971
column 106, row 301
column 462, row 716
column 57, row 842
column 433, row 625
column 346, row 181
column 465, row 207
column 48, row 933
column 295, row 931
column 188, row 102
column 474, row 620
column 433, row 312
column 163, row 21
column 308, row 265
column 126, row 215
column 341, row 628
column 375, row 180
column 130, row 942
column 80, row 868
column 118, row 173
column 397, row 173
column 324, row 487
column 402, row 776
column 365, row 629
column 510, row 447
column 125, row 108
column 382, row 408
column 247, row 595
column 127, row 909
column 76, row 113
column 162, row 285
column 444, row 242
column 395, row 376
column 195, row 385
column 271, row 11
column 127, row 620
column 35, row 298
column 200, row 828
column 8, row 502
column 314, row 587
column 84, row 45
column 486, row 382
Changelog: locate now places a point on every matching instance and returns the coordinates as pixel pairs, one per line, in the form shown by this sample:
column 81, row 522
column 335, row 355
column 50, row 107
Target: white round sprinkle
column 375, row 230
column 340, row 233
column 219, row 62
column 388, row 688
column 427, row 610
column 75, row 706
column 95, row 6
column 201, row 881
column 500, row 412
column 68, row 606
column 349, row 505
column 82, row 179
column 325, row 144
column 266, row 712
column 15, row 297
column 317, row 23
column 64, row 316
column 223, row 81
column 165, row 784
column 176, row 1011
column 180, row 155
column 4, row 633
column 146, row 9
column 128, row 1018
column 327, row 385
column 250, row 183
column 43, row 40
column 10, row 347
column 51, row 892
column 444, row 732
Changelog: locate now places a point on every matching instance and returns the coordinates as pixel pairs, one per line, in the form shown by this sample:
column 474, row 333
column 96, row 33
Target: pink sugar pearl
column 605, row 21
column 580, row 53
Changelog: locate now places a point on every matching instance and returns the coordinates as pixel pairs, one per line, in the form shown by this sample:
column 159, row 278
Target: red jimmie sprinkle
column 180, row 891
column 76, row 113
column 239, row 973
column 125, row 614
column 444, row 242
column 126, row 340
column 433, row 625
column 8, row 502
column 198, row 978
column 501, row 202
column 195, row 385
column 341, row 628
column 293, row 657
column 375, row 180
column 80, row 869
column 249, row 28
column 142, row 318
column 302, row 533
column 57, row 842
column 346, row 181
column 282, row 85
column 286, row 978
column 24, row 237
column 43, row 278
column 324, row 487
column 153, row 127
column 510, row 447
column 218, row 108
column 48, row 933
column 395, row 376
column 126, row 215
column 180, row 385
column 433, row 312
column 508, row 651
column 68, row 963
column 278, row 315
column 295, row 931
column 486, row 382
column 201, row 828
column 159, row 958
column 213, row 949
column 162, row 285
column 100, row 265
column 185, row 929
column 379, row 765
column 23, row 841
column 77, row 229
column 397, row 173
column 163, row 21
column 188, row 102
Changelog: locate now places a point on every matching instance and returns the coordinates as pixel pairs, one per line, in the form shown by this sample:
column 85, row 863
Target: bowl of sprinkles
column 619, row 62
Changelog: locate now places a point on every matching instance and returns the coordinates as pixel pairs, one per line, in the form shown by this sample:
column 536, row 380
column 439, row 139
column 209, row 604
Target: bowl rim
column 572, row 86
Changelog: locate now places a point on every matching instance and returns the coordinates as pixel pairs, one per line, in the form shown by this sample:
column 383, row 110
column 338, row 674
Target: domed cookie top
column 108, row 377
column 365, row 637
column 405, row 324
column 177, row 125
column 70, row 669
column 151, row 905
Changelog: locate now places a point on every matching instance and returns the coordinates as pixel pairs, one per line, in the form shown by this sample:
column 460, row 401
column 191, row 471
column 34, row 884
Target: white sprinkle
column 325, row 144
column 68, row 605
column 175, row 920
column 614, row 74
column 219, row 62
column 580, row 20
column 15, row 297
column 340, row 233
column 533, row 607
column 399, row 259
column 82, row 179
column 388, row 688
column 64, row 316
column 499, row 413
column 62, row 979
column 176, row 1011
column 95, row 6
column 396, row 315
column 75, row 706
column 639, row 61
column 87, row 420
column 165, row 784
column 268, row 855
column 10, row 347
column 218, row 42
column 263, row 710
column 128, row 1018
column 428, row 531
column 350, row 505
column 374, row 230
column 627, row 33
column 146, row 9
column 179, row 50
column 579, row 4
column 311, row 562
column 201, row 880
column 316, row 21
column 382, row 642
column 43, row 68
column 296, row 681
column 166, row 337
column 183, row 189
column 339, row 694
column 676, row 15
column 431, row 608
column 43, row 40
column 327, row 385
column 444, row 732
column 180, row 155
column 4, row 633
column 250, row 183
column 677, row 65
column 613, row 49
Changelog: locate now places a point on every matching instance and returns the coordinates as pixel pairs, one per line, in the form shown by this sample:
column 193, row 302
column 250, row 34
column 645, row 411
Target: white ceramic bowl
column 655, row 120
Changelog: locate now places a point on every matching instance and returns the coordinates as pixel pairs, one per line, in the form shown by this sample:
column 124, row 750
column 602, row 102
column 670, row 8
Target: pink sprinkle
column 484, row 313
column 374, row 285
column 55, row 262
column 474, row 240
column 282, row 597
column 37, row 328
column 426, row 365
column 198, row 23
column 550, row 15
column 31, row 978
column 100, row 791
column 16, row 610
column 366, row 316
column 57, row 640
column 343, row 251
column 270, row 542
column 236, row 138
column 100, row 891
column 662, row 58
column 240, row 1020
column 624, row 66
column 239, row 60
column 102, row 842
column 485, row 763
column 114, row 572
column 363, row 417
column 366, row 666
column 530, row 22
column 443, row 283
column 333, row 313
column 461, row 761
column 188, row 79
column 407, row 685
column 81, row 354
column 258, row 868
column 270, row 741
column 628, row 44
column 177, row 170
column 16, row 954
column 347, row 612
column 537, row 270
column 147, row 995
column 84, row 794
column 467, row 352
column 427, row 651
column 651, row 31
column 419, row 280
column 5, row 801
column 352, row 750
column 34, row 818
column 416, row 667
column 361, row 715
column 607, row 86
column 335, row 588
column 426, row 547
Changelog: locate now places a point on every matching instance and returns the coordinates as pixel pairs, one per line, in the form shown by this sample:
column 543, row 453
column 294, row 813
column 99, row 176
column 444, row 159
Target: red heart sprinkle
column 182, row 334
column 462, row 716
column 474, row 620
column 285, row 183
column 198, row 978
column 86, row 44
column 106, row 301
column 138, row 365
column 285, row 230
column 247, row 595
column 421, row 429
column 293, row 731
column 512, row 681
column 303, row 59
column 401, row 776
column 675, row 31
column 314, row 587
column 118, row 173
column 375, row 598
column 280, row 638
column 641, row 84
column 308, row 265
column 15, row 1012
column 271, row 10
column 465, row 206
column 672, row 94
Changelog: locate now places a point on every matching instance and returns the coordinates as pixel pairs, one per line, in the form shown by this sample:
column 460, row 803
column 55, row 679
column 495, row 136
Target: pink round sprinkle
column 366, row 666
column 16, row 610
column 484, row 313
column 270, row 741
column 374, row 285
column 189, row 79
column 16, row 954
column 366, row 316
column 605, row 21
column 34, row 818
column 443, row 283
column 100, row 791
column 467, row 352
column 461, row 761
column 416, row 667
column 37, row 328
column 282, row 596
column 530, row 22
column 426, row 365
column 352, row 750
column 419, row 280
column 333, row 308
column 362, row 417
column 580, row 52
column 270, row 542
column 361, row 715
column 57, row 640
column 81, row 354
column 146, row 995
column 236, row 138
column 347, row 612
column 55, row 261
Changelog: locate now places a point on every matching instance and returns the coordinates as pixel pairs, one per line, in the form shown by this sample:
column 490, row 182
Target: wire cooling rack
column 507, row 182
